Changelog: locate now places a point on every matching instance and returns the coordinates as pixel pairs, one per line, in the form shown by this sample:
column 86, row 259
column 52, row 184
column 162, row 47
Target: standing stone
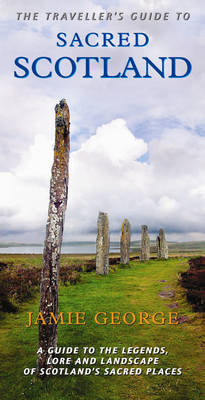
column 125, row 242
column 145, row 244
column 158, row 245
column 162, row 248
column 54, row 234
column 102, row 245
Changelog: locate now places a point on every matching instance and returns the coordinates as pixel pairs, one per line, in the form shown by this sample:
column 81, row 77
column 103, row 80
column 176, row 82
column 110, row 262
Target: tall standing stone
column 145, row 244
column 162, row 247
column 54, row 234
column 102, row 245
column 125, row 242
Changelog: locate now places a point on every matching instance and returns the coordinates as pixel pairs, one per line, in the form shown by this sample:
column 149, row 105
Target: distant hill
column 174, row 247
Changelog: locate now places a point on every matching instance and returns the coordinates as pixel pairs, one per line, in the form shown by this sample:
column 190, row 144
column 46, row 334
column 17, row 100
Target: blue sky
column 137, row 144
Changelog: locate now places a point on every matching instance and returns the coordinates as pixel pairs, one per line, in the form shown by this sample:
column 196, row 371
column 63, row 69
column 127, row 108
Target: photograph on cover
column 102, row 217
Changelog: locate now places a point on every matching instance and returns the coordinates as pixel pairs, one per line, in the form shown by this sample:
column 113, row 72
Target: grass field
column 133, row 288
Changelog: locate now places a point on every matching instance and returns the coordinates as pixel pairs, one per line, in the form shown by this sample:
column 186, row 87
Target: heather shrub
column 19, row 283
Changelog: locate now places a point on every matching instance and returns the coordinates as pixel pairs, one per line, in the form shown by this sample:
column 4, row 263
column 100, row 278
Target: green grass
column 135, row 288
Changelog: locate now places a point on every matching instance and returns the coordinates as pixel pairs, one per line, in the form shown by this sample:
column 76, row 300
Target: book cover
column 102, row 236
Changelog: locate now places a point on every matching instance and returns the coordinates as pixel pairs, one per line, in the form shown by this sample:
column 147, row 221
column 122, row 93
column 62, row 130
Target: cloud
column 24, row 114
column 166, row 191
column 114, row 143
column 113, row 98
column 107, row 174
column 137, row 144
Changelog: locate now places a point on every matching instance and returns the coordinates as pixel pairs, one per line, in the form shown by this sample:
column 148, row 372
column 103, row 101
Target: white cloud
column 129, row 98
column 115, row 143
column 107, row 174
column 164, row 116
column 160, row 192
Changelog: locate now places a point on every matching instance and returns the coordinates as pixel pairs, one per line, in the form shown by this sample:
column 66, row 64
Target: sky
column 137, row 145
